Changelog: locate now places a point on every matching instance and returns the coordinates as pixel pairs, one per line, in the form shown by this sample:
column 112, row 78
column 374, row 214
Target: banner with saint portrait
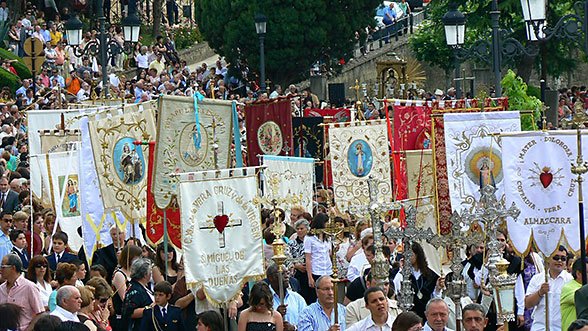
column 541, row 184
column 121, row 165
column 309, row 141
column 359, row 151
column 269, row 129
column 221, row 231
column 188, row 130
column 64, row 184
column 474, row 157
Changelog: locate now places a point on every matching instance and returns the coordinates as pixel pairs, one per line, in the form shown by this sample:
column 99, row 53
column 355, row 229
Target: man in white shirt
column 358, row 310
column 3, row 11
column 437, row 313
column 538, row 288
column 380, row 318
column 69, row 302
column 359, row 261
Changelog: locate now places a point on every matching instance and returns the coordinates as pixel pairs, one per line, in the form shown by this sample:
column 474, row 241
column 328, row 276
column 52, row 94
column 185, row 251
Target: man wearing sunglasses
column 5, row 242
column 538, row 289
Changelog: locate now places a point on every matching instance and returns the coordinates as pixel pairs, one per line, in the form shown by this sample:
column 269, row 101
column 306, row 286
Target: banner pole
column 165, row 240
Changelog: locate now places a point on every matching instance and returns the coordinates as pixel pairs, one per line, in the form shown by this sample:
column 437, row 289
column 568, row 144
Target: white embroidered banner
column 419, row 173
column 221, row 230
column 64, row 182
column 120, row 164
column 58, row 140
column 95, row 222
column 359, row 151
column 289, row 176
column 474, row 159
column 175, row 150
column 540, row 183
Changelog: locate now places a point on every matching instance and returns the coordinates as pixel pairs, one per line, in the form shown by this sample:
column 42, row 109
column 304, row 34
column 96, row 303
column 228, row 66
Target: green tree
column 299, row 32
column 429, row 43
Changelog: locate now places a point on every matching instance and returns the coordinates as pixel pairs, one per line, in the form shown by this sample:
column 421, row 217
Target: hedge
column 22, row 70
column 9, row 79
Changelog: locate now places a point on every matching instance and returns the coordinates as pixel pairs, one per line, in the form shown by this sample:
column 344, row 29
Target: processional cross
column 220, row 222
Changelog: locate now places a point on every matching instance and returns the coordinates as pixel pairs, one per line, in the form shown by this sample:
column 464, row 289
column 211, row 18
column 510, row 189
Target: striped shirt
column 314, row 318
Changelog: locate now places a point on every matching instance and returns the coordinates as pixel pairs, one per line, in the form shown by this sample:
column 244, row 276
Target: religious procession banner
column 359, row 150
column 120, row 164
column 420, row 173
column 289, row 177
column 221, row 229
column 425, row 219
column 154, row 225
column 39, row 120
column 338, row 114
column 269, row 129
column 540, row 183
column 309, row 141
column 96, row 223
column 58, row 140
column 474, row 158
column 64, row 183
column 412, row 127
column 188, row 130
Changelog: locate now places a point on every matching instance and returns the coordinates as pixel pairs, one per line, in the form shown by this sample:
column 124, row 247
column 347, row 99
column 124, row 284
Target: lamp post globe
column 73, row 30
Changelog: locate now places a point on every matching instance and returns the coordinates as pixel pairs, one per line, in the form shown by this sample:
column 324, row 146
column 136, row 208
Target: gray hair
column 318, row 282
column 13, row 259
column 140, row 268
column 303, row 222
column 474, row 307
column 434, row 301
column 64, row 292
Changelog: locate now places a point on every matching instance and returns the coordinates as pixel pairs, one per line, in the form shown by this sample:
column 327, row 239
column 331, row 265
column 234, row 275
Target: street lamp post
column 454, row 22
column 498, row 50
column 106, row 47
column 260, row 28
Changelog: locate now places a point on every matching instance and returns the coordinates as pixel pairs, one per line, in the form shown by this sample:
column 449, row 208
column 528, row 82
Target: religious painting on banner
column 412, row 127
column 474, row 158
column 221, row 229
column 289, row 177
column 64, row 179
column 337, row 114
column 420, row 174
column 58, row 140
column 309, row 141
column 186, row 130
column 359, row 151
column 154, row 225
column 120, row 164
column 269, row 129
column 540, row 183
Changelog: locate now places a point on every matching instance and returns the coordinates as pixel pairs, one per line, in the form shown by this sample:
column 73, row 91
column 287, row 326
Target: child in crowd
column 162, row 316
column 59, row 254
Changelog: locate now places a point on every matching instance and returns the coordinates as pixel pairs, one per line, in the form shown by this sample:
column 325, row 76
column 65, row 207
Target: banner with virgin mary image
column 359, row 151
column 121, row 164
column 473, row 151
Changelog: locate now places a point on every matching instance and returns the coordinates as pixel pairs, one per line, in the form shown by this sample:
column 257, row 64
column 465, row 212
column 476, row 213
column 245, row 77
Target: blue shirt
column 314, row 318
column 295, row 305
column 5, row 245
column 391, row 12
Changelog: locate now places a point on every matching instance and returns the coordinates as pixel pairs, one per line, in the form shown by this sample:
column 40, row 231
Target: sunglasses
column 560, row 258
column 103, row 300
column 41, row 266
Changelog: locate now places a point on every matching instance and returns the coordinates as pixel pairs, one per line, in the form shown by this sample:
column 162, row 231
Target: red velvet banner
column 269, row 129
column 154, row 223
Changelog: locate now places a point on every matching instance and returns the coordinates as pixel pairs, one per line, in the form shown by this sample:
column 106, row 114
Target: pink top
column 25, row 294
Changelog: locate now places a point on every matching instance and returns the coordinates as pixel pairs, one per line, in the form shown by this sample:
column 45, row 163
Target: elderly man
column 293, row 302
column 108, row 256
column 538, row 289
column 19, row 290
column 380, row 317
column 358, row 310
column 69, row 302
column 320, row 315
column 437, row 313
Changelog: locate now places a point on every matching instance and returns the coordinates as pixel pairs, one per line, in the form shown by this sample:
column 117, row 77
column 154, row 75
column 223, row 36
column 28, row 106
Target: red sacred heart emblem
column 220, row 222
column 546, row 177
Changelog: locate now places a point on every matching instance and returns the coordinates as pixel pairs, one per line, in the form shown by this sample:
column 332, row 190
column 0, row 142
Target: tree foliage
column 519, row 99
column 429, row 42
column 299, row 32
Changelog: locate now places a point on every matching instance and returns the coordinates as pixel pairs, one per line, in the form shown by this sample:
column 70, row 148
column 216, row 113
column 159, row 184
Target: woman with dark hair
column 12, row 310
column 120, row 278
column 46, row 322
column 166, row 267
column 100, row 310
column 210, row 321
column 426, row 284
column 317, row 252
column 260, row 315
column 39, row 274
column 407, row 321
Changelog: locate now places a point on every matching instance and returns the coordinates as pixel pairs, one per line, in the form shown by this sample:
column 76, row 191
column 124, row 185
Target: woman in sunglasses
column 102, row 306
column 39, row 274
